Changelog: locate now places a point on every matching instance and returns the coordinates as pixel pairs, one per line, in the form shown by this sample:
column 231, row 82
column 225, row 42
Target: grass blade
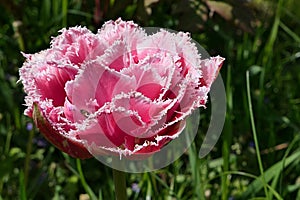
column 257, row 185
column 255, row 135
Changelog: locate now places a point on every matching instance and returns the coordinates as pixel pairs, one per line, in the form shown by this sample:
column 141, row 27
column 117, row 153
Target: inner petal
column 150, row 90
column 51, row 83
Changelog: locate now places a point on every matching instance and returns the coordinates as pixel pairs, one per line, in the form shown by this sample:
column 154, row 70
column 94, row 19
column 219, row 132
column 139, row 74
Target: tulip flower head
column 117, row 92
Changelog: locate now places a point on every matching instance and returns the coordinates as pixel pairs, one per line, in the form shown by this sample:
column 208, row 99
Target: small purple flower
column 135, row 188
column 251, row 144
column 29, row 126
column 40, row 142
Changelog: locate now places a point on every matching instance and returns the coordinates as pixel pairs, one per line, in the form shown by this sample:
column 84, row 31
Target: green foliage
column 259, row 37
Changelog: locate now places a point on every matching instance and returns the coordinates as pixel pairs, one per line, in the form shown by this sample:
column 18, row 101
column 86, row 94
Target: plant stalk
column 120, row 184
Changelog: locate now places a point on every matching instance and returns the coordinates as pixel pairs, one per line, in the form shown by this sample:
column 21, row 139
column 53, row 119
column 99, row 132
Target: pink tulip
column 119, row 91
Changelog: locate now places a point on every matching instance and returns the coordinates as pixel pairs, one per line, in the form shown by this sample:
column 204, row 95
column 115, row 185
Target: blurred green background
column 259, row 37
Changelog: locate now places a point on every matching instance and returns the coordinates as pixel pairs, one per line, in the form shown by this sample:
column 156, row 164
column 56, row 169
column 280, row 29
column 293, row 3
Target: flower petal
column 70, row 145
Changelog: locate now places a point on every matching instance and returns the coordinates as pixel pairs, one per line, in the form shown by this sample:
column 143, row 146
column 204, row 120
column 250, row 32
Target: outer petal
column 210, row 69
column 44, row 82
column 70, row 145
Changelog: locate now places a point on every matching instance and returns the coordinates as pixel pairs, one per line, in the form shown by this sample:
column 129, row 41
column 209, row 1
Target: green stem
column 28, row 157
column 120, row 184
column 255, row 135
column 64, row 12
column 83, row 182
column 22, row 188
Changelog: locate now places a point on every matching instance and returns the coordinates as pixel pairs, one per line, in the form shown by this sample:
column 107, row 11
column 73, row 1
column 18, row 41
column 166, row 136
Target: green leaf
column 257, row 184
